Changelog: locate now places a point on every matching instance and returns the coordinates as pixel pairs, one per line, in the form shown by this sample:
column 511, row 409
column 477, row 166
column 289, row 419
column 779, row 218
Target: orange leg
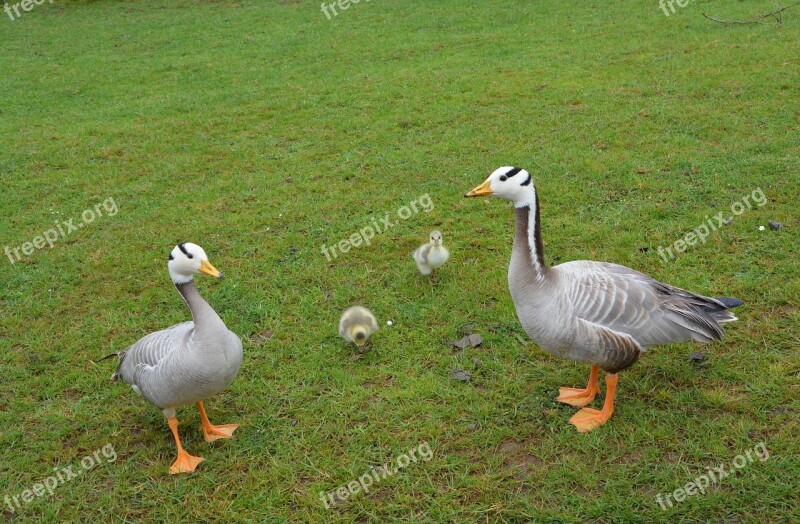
column 185, row 463
column 588, row 419
column 211, row 432
column 581, row 397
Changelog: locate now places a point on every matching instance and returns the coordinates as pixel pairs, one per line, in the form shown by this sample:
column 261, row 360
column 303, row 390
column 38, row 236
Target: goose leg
column 211, row 432
column 185, row 463
column 588, row 419
column 581, row 397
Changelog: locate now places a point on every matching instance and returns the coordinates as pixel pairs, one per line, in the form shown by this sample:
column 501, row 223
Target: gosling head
column 511, row 183
column 187, row 260
column 436, row 237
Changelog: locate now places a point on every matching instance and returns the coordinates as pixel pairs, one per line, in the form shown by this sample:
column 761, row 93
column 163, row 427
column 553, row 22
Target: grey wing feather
column 150, row 350
column 627, row 301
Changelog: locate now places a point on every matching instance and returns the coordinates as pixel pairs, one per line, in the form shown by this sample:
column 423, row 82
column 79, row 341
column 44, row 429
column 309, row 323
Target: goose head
column 436, row 237
column 187, row 260
column 511, row 183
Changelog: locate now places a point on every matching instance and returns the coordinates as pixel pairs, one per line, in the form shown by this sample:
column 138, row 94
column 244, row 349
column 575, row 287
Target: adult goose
column 188, row 362
column 594, row 312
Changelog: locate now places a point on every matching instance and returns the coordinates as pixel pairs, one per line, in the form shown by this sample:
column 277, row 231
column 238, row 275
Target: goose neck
column 528, row 237
column 203, row 314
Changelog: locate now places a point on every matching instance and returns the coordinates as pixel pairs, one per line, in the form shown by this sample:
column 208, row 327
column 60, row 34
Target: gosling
column 432, row 255
column 356, row 325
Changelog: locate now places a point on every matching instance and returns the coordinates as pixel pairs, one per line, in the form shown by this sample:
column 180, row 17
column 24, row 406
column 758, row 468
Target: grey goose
column 188, row 362
column 598, row 313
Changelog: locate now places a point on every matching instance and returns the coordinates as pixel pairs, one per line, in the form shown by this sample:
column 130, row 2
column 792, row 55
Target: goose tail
column 121, row 355
column 722, row 314
column 701, row 316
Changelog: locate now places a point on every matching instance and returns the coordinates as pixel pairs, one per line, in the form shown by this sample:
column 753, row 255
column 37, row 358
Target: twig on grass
column 775, row 14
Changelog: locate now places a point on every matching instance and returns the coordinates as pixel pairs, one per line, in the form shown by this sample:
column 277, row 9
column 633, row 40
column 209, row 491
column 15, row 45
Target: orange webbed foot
column 581, row 397
column 588, row 419
column 576, row 397
column 212, row 433
column 185, row 463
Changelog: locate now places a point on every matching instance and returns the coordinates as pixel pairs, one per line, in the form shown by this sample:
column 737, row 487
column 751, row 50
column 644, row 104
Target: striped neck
column 528, row 236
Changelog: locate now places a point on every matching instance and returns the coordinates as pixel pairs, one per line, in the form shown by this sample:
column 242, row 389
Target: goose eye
column 503, row 178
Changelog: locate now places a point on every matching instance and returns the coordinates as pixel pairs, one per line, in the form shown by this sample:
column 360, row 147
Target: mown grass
column 262, row 130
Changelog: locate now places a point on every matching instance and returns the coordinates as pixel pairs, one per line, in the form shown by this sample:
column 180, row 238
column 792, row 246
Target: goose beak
column 208, row 269
column 482, row 190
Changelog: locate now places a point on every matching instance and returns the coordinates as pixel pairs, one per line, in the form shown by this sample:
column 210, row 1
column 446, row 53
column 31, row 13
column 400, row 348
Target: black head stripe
column 527, row 181
column 514, row 171
column 183, row 248
column 171, row 257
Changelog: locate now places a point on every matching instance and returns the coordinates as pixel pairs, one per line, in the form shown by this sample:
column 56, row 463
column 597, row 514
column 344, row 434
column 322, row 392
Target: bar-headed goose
column 432, row 255
column 188, row 362
column 595, row 312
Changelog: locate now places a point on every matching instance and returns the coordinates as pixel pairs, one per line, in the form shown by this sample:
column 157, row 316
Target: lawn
column 263, row 131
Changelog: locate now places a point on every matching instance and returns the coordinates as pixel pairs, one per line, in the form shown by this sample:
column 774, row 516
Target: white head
column 511, row 183
column 436, row 237
column 186, row 260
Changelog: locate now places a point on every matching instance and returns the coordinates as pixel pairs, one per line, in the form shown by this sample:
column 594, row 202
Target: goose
column 432, row 255
column 357, row 324
column 598, row 313
column 188, row 362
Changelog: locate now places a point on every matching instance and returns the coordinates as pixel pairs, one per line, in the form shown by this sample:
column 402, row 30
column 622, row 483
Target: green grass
column 262, row 130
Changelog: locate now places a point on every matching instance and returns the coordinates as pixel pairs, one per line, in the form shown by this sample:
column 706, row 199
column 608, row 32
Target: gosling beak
column 208, row 269
column 359, row 336
column 482, row 190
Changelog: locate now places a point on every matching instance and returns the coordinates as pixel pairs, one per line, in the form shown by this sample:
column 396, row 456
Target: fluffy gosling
column 356, row 325
column 432, row 255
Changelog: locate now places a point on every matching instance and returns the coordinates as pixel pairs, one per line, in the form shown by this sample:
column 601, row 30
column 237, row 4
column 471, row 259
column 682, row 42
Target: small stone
column 389, row 322
column 294, row 423
column 761, row 228
column 469, row 341
column 775, row 225
column 697, row 357
column 460, row 375
column 472, row 427
column 728, row 221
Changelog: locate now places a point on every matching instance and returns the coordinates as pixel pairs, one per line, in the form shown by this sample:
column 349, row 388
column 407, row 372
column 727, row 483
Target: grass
column 262, row 130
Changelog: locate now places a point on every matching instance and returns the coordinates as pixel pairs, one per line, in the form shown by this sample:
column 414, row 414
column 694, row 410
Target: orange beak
column 208, row 269
column 482, row 190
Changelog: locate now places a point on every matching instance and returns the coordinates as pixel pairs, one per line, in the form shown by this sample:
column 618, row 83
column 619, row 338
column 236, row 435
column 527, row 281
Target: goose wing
column 627, row 301
column 151, row 350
